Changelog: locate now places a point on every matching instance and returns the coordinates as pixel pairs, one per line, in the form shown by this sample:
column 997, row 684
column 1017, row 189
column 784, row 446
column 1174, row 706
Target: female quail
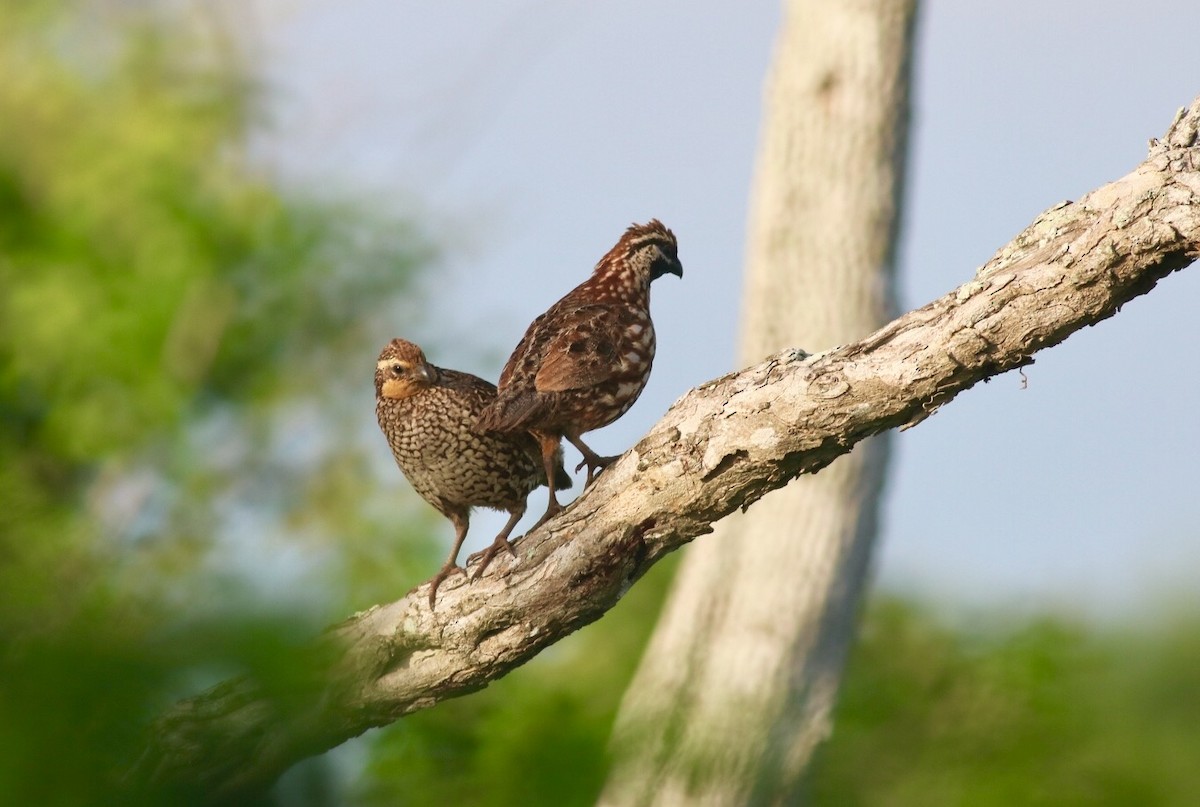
column 428, row 415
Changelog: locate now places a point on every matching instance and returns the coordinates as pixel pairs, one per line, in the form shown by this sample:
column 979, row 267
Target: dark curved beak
column 666, row 267
column 424, row 373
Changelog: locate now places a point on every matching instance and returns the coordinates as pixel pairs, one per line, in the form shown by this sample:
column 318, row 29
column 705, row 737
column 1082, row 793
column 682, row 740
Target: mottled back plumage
column 428, row 413
column 584, row 362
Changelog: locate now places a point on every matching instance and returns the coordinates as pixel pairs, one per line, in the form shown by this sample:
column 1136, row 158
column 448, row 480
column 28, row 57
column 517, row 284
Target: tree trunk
column 740, row 676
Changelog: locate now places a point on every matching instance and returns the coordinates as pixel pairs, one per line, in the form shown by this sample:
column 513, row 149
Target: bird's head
column 402, row 371
column 645, row 253
column 651, row 250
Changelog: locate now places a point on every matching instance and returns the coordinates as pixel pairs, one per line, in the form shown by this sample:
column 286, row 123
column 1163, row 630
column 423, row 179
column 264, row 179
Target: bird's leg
column 591, row 459
column 460, row 522
column 501, row 542
column 548, row 443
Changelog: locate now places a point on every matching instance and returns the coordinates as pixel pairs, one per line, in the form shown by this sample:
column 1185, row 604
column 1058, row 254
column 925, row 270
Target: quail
column 583, row 363
column 428, row 413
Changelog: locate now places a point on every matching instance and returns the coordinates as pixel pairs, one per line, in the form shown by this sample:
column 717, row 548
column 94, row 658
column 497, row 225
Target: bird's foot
column 485, row 556
column 595, row 464
column 552, row 509
column 443, row 573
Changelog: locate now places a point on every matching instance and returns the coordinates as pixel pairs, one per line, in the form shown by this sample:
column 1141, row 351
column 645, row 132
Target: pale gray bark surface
column 737, row 684
column 719, row 448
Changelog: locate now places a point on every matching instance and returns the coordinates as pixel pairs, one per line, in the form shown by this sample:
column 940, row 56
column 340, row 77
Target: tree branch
column 720, row 447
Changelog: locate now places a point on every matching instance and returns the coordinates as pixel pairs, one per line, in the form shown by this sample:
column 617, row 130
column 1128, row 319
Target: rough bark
column 718, row 449
column 738, row 680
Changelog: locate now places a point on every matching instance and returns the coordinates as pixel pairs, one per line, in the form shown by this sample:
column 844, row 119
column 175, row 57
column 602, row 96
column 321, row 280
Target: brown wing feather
column 521, row 355
column 584, row 351
column 511, row 412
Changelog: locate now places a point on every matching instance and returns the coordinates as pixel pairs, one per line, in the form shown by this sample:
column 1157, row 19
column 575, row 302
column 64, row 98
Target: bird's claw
column 590, row 468
column 488, row 554
column 594, row 466
column 442, row 574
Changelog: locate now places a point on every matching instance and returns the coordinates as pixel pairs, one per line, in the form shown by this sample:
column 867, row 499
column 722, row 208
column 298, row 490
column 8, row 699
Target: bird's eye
column 397, row 369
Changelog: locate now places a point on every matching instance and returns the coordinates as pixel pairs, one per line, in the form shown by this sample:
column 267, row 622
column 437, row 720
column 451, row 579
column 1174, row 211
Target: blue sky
column 527, row 135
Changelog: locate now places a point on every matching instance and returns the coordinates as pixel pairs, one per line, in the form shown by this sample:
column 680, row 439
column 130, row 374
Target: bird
column 583, row 363
column 427, row 414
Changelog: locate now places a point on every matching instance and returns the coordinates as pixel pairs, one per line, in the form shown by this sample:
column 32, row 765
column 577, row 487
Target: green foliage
column 1044, row 712
column 185, row 351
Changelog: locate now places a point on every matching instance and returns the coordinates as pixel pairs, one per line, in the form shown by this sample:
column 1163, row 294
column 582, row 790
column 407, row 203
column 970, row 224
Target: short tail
column 562, row 479
column 508, row 414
